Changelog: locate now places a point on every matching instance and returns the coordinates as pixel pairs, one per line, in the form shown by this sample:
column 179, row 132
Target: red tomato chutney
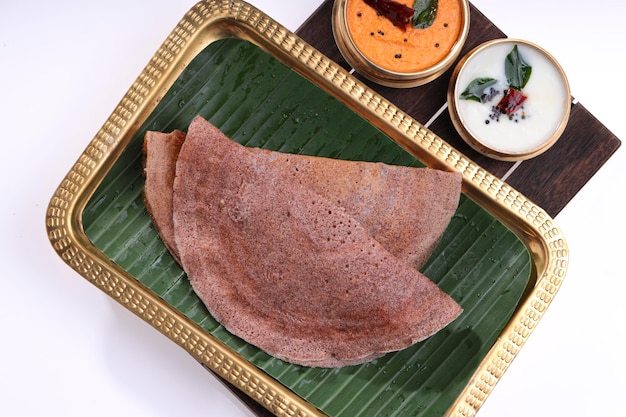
column 405, row 51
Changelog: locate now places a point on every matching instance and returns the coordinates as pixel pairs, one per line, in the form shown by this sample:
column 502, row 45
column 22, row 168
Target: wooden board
column 583, row 148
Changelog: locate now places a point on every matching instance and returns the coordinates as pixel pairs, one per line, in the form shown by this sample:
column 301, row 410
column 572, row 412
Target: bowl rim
column 385, row 76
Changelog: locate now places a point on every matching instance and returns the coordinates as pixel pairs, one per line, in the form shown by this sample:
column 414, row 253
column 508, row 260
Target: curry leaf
column 476, row 89
column 425, row 13
column 516, row 69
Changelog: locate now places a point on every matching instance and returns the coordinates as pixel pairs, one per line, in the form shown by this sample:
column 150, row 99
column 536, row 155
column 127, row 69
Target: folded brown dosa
column 404, row 209
column 289, row 270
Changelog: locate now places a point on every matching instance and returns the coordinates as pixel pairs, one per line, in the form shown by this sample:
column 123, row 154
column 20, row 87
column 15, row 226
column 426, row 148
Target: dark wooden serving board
column 582, row 149
column 550, row 180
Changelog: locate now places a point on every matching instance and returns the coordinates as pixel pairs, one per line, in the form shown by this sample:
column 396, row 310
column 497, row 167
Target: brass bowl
column 387, row 75
column 534, row 128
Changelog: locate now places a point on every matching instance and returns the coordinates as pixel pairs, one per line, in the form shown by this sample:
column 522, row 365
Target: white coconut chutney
column 543, row 114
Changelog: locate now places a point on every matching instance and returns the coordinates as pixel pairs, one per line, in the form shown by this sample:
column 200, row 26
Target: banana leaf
column 260, row 102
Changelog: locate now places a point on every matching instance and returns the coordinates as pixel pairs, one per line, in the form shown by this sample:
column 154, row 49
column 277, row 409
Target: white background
column 66, row 349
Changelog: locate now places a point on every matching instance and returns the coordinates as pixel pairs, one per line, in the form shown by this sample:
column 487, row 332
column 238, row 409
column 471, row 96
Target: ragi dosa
column 404, row 209
column 288, row 269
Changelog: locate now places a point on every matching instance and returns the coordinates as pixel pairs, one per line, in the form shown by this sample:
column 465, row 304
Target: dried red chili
column 399, row 14
column 511, row 102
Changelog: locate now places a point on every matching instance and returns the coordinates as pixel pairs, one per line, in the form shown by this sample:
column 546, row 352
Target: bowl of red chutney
column 403, row 43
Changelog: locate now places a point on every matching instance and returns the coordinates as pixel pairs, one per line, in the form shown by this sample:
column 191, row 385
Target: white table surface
column 69, row 350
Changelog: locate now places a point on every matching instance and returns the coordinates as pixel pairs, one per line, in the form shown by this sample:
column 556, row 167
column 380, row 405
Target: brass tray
column 207, row 24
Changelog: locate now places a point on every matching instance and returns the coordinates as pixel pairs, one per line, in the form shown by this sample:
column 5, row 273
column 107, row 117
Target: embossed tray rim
column 211, row 20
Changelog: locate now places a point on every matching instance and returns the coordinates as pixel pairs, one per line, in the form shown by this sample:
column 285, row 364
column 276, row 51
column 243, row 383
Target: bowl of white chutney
column 509, row 99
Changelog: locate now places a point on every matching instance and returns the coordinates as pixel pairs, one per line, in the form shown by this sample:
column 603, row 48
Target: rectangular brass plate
column 98, row 225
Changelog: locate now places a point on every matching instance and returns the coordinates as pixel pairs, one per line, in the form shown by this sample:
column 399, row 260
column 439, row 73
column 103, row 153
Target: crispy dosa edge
column 246, row 234
column 160, row 152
